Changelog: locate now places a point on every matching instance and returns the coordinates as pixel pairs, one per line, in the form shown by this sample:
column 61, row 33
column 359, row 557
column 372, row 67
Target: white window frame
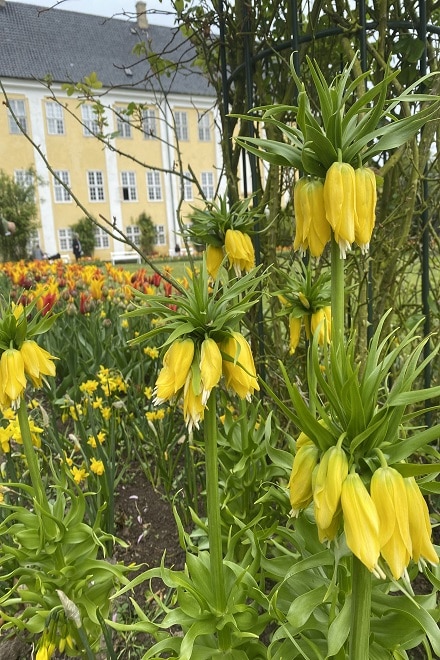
column 89, row 120
column 60, row 194
column 207, row 184
column 18, row 107
column 128, row 187
column 123, row 128
column 149, row 125
column 133, row 233
column 181, row 124
column 65, row 239
column 204, row 127
column 159, row 235
column 95, row 184
column 187, row 187
column 102, row 241
column 154, row 186
column 24, row 178
column 54, row 118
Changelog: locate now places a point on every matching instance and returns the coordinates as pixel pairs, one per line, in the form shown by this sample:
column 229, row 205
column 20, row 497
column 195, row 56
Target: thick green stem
column 360, row 612
column 337, row 295
column 31, row 459
column 213, row 510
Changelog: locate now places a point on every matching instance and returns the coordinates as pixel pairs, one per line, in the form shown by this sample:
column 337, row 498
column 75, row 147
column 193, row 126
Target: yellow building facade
column 143, row 162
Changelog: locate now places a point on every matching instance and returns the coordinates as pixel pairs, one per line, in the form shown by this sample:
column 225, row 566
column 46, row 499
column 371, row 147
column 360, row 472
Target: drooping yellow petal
column 331, row 474
column 294, row 333
column 300, row 483
column 340, row 203
column 176, row 365
column 366, row 198
column 361, row 521
column 210, row 367
column 214, row 258
column 12, row 377
column 239, row 370
column 419, row 524
column 37, row 361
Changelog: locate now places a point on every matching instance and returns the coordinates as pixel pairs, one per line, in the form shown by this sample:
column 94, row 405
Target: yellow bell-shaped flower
column 302, row 222
column 319, row 322
column 388, row 493
column 330, row 475
column 239, row 369
column 366, row 197
column 37, row 362
column 193, row 407
column 214, row 258
column 294, row 333
column 210, row 367
column 240, row 251
column 172, row 377
column 310, row 208
column 361, row 521
column 300, row 482
column 12, row 378
column 340, row 203
column 419, row 524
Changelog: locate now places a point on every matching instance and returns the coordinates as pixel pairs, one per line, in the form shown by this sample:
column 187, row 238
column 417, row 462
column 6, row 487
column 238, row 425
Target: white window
column 60, row 193
column 19, row 110
column 124, row 128
column 133, row 233
column 149, row 124
column 207, row 184
column 89, row 120
column 128, row 181
column 187, row 187
column 55, row 118
column 204, row 127
column 159, row 235
column 154, row 188
column 24, row 178
column 181, row 121
column 65, row 239
column 95, row 180
column 101, row 239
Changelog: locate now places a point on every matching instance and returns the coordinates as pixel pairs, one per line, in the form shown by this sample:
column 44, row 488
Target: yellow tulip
column 361, row 521
column 12, row 378
column 340, row 203
column 239, row 370
column 419, row 524
column 37, row 362
column 210, row 367
column 330, row 475
column 214, row 258
column 366, row 197
column 388, row 493
column 294, row 332
column 300, row 482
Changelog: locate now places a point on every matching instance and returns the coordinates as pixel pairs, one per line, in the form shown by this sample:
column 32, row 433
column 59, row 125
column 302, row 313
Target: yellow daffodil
column 12, row 378
column 361, row 521
column 210, row 367
column 300, row 482
column 37, row 362
column 97, row 467
column 172, row 377
column 239, row 369
column 388, row 493
column 79, row 474
column 419, row 524
column 214, row 258
column 239, row 250
column 330, row 475
column 340, row 203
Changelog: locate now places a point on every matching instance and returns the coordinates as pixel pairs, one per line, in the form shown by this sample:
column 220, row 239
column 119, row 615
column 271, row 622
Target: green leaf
column 272, row 151
column 304, row 605
column 339, row 628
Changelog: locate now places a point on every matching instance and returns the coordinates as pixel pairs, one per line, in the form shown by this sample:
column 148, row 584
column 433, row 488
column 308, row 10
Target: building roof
column 37, row 42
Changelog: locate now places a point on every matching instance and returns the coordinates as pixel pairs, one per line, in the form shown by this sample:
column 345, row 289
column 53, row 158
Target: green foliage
column 86, row 234
column 148, row 233
column 17, row 204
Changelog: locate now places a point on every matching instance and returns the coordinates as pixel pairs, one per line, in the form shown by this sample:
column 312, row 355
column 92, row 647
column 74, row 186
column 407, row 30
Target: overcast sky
column 158, row 12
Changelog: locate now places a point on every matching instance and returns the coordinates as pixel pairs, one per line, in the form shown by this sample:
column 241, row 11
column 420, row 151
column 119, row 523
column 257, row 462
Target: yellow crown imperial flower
column 366, row 197
column 37, row 362
column 239, row 369
column 214, row 258
column 330, row 475
column 388, row 493
column 193, row 407
column 210, row 367
column 340, row 203
column 239, row 250
column 177, row 362
column 301, row 221
column 12, row 378
column 309, row 205
column 300, row 482
column 319, row 322
column 361, row 522
column 419, row 524
column 294, row 333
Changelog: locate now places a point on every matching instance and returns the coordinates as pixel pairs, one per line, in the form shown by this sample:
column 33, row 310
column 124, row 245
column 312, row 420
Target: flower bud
column 388, row 493
column 300, row 483
column 361, row 521
column 366, row 197
column 340, row 203
column 419, row 524
column 331, row 474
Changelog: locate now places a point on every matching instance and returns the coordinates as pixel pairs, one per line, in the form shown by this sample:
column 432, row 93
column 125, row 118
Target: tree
column 148, row 233
column 17, row 205
column 86, row 234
